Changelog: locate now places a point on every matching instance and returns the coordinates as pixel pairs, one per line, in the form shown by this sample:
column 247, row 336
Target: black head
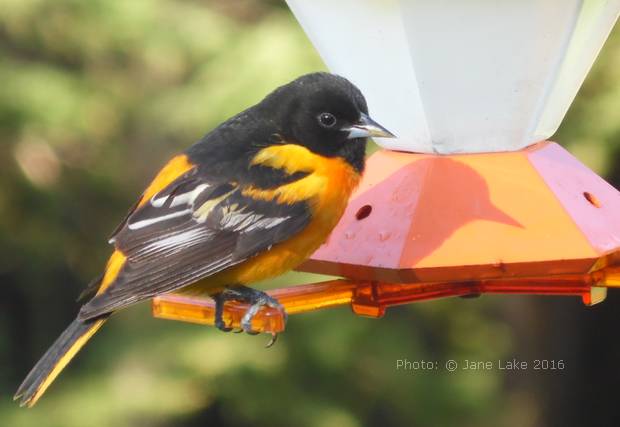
column 325, row 113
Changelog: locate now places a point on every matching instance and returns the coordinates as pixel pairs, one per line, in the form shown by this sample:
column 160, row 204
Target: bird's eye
column 327, row 120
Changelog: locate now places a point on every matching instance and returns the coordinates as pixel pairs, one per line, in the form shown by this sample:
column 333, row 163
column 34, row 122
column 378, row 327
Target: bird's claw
column 256, row 298
column 221, row 325
column 272, row 341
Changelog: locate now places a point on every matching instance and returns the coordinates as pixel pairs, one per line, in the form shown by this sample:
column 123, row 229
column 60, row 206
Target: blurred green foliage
column 94, row 96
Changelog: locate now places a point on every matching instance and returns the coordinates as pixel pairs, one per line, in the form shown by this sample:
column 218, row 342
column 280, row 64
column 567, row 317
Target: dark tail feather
column 55, row 359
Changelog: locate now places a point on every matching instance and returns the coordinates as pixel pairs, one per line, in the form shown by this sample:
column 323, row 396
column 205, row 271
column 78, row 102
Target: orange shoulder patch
column 176, row 167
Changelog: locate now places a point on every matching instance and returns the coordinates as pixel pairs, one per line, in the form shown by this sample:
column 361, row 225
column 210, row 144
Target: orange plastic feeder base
column 423, row 226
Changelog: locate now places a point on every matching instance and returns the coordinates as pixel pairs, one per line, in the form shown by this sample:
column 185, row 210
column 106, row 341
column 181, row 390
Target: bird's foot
column 256, row 298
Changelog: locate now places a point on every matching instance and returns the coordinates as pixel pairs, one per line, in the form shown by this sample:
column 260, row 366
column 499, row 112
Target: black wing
column 193, row 228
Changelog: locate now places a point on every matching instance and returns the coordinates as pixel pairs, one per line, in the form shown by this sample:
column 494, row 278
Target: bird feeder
column 470, row 198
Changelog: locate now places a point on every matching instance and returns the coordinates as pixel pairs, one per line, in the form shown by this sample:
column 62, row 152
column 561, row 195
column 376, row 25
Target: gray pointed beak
column 367, row 127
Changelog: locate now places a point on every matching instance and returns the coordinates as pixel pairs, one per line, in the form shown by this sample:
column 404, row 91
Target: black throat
column 354, row 152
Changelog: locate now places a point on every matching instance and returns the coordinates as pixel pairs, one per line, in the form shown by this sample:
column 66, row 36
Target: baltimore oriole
column 251, row 200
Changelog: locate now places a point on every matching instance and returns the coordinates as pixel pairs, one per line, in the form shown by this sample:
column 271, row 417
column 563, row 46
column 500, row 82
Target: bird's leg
column 256, row 298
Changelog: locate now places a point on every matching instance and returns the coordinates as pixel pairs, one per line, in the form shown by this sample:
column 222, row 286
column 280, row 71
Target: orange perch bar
column 296, row 299
column 366, row 298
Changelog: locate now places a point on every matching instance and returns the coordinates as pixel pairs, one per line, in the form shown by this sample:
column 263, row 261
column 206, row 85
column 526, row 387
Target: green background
column 94, row 97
